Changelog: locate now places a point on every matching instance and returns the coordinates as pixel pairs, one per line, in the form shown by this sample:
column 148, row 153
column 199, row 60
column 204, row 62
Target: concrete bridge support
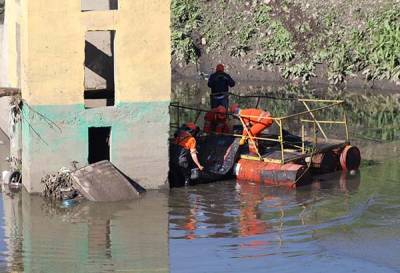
column 95, row 82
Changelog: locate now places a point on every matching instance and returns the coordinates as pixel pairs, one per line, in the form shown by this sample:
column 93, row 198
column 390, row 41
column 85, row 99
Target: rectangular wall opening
column 99, row 69
column 89, row 5
column 99, row 144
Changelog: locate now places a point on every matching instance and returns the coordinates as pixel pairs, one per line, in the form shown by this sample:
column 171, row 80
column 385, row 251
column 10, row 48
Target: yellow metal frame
column 280, row 122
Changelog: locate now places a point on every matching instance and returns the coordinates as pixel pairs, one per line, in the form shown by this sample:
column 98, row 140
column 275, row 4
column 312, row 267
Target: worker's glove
column 243, row 141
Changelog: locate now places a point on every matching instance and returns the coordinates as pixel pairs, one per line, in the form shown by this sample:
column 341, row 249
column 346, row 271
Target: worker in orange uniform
column 255, row 120
column 215, row 121
column 185, row 139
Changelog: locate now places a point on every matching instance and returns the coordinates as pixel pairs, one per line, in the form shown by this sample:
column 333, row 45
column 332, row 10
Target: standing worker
column 185, row 139
column 255, row 121
column 215, row 121
column 219, row 82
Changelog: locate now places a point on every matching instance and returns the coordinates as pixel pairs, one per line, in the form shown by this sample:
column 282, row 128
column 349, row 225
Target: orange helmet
column 191, row 125
column 220, row 109
column 220, row 68
column 235, row 108
column 220, row 112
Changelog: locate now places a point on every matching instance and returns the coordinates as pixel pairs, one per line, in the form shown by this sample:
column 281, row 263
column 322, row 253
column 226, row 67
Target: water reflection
column 244, row 209
column 90, row 237
column 244, row 226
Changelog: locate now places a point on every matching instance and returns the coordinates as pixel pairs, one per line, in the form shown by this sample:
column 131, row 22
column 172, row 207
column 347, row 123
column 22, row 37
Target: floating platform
column 294, row 168
column 281, row 158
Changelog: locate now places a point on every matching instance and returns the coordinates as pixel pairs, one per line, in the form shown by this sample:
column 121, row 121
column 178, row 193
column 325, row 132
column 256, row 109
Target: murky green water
column 338, row 224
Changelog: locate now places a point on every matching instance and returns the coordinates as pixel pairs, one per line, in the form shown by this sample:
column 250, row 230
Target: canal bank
column 345, row 43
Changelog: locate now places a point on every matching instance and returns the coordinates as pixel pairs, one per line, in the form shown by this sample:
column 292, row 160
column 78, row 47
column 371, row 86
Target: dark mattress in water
column 217, row 154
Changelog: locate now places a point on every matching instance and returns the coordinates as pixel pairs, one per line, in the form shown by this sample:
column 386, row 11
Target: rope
column 262, row 96
column 308, row 165
column 253, row 96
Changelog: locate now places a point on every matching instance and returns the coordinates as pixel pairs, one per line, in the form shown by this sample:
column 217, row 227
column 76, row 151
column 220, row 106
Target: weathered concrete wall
column 10, row 68
column 4, row 115
column 52, row 36
column 139, row 132
column 54, row 64
column 4, row 101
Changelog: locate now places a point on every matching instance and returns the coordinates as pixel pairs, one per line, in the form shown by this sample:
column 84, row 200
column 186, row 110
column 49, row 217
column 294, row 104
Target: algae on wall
column 346, row 38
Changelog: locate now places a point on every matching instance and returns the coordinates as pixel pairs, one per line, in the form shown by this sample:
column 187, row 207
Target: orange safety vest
column 252, row 116
column 215, row 122
column 185, row 140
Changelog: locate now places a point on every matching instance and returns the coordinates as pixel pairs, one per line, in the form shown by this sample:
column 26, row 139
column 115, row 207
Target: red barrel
column 350, row 158
column 290, row 175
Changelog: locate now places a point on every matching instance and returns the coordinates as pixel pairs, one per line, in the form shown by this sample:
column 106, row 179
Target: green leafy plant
column 186, row 18
column 244, row 37
column 278, row 47
column 262, row 14
column 303, row 71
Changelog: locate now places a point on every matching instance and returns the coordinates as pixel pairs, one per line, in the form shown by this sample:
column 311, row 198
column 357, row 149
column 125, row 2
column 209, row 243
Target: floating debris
column 59, row 186
column 102, row 181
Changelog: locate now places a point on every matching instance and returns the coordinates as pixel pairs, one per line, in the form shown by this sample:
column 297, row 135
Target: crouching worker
column 185, row 139
column 254, row 122
column 215, row 121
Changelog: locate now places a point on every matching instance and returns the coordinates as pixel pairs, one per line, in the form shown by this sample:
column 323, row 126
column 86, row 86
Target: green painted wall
column 54, row 136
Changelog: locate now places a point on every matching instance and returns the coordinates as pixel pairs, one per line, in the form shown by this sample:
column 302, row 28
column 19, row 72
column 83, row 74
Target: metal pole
column 319, row 125
column 317, row 100
column 346, row 127
column 313, row 110
column 323, row 121
column 315, row 134
column 302, row 139
column 178, row 116
column 281, row 142
column 250, row 137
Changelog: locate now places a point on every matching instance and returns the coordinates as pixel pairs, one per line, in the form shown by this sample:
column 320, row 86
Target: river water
column 340, row 223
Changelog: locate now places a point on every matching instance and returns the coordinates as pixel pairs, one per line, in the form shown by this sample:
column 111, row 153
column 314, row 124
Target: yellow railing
column 280, row 121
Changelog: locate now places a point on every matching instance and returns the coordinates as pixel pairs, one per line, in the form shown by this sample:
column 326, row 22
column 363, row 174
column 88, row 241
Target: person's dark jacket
column 219, row 82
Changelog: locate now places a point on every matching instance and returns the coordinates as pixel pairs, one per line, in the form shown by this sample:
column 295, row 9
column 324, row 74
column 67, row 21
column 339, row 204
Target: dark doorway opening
column 99, row 144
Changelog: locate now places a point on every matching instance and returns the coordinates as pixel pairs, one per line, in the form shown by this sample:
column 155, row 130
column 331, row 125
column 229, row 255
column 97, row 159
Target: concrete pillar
column 55, row 120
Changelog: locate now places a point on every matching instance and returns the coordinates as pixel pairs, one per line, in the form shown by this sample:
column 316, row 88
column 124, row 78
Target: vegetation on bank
column 292, row 36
